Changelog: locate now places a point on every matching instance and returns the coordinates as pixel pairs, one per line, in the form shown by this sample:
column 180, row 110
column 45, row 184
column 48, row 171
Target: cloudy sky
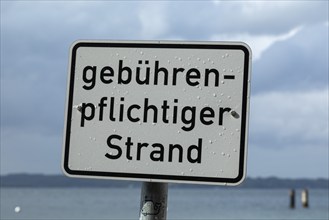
column 289, row 96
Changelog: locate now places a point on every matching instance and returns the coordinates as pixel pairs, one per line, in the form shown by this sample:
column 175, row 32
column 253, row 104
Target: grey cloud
column 299, row 63
column 201, row 19
column 285, row 119
column 52, row 22
column 33, row 105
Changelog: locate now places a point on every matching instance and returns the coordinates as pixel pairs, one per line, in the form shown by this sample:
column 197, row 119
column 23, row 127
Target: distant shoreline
column 52, row 181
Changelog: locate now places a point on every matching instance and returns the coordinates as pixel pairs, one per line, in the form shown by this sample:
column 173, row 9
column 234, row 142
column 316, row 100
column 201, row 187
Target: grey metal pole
column 153, row 205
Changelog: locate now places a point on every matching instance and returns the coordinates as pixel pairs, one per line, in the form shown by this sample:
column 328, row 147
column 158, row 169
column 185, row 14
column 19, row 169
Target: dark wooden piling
column 292, row 199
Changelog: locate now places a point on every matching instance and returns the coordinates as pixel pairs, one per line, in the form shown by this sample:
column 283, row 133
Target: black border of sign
column 147, row 177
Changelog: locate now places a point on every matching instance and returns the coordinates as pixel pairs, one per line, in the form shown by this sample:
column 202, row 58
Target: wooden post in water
column 304, row 198
column 153, row 205
column 292, row 198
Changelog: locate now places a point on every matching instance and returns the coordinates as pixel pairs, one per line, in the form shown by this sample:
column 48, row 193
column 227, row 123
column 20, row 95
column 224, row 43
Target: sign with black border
column 159, row 111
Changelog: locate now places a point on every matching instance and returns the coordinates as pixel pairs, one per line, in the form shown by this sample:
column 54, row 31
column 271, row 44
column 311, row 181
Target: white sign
column 158, row 111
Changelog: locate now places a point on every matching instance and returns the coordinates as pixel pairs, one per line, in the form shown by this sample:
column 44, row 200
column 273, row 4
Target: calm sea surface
column 116, row 203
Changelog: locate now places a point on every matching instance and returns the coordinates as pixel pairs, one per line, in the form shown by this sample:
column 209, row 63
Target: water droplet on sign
column 17, row 209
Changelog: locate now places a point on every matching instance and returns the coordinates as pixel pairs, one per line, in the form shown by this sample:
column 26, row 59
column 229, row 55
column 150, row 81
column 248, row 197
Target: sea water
column 191, row 203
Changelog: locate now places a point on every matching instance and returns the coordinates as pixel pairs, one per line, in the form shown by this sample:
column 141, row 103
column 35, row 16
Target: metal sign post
column 153, row 203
